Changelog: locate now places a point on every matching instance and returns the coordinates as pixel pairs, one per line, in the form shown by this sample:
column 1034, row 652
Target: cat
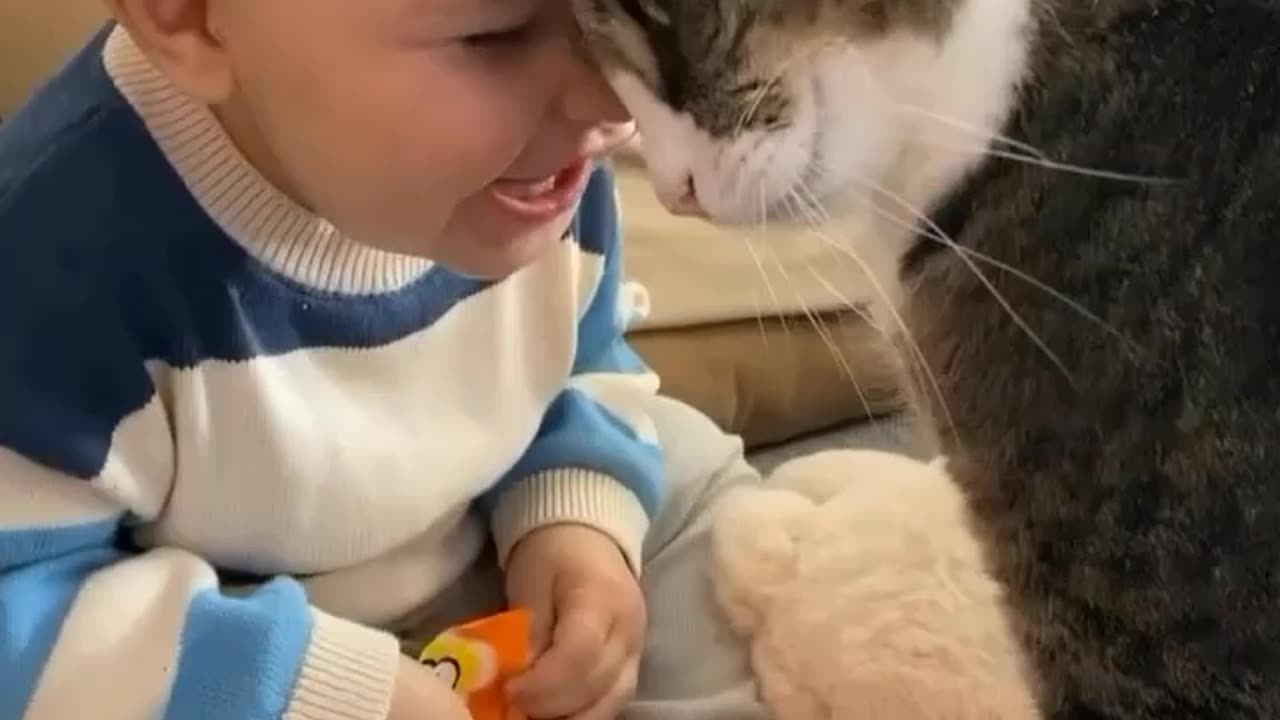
column 1075, row 215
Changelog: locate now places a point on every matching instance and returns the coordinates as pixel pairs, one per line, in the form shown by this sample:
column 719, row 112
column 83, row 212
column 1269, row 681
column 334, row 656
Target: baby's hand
column 588, row 623
column 420, row 694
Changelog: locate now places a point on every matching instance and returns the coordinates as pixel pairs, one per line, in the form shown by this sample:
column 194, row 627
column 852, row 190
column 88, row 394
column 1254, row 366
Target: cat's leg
column 695, row 667
column 788, row 699
column 753, row 540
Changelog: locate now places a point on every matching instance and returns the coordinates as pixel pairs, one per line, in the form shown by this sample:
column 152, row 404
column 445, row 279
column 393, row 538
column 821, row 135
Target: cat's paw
column 824, row 475
column 753, row 544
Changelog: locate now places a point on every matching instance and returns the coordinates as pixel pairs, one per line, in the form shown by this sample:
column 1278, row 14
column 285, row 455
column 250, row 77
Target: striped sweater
column 232, row 439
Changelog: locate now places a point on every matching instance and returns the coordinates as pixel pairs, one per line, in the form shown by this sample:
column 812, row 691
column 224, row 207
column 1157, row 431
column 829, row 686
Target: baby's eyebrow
column 446, row 8
column 450, row 15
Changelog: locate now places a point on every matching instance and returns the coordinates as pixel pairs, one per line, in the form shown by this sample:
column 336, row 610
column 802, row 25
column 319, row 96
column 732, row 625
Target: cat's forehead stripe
column 717, row 60
column 696, row 58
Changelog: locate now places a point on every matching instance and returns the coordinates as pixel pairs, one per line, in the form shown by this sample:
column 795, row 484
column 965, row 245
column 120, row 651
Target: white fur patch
column 881, row 128
column 669, row 137
column 873, row 600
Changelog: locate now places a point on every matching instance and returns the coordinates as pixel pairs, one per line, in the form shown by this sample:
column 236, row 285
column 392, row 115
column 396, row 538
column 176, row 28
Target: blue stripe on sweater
column 578, row 432
column 33, row 545
column 42, row 573
column 264, row 636
column 601, row 332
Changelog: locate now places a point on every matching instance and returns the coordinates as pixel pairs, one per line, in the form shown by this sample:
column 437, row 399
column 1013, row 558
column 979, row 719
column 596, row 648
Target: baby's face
column 456, row 130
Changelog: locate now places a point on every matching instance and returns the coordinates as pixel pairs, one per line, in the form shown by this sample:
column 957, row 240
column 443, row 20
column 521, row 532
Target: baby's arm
column 90, row 628
column 595, row 459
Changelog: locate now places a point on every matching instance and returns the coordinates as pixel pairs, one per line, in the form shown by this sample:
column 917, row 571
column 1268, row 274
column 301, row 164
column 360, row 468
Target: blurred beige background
column 36, row 36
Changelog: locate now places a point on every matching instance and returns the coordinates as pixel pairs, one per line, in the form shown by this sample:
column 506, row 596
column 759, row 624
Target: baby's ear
column 183, row 39
column 753, row 539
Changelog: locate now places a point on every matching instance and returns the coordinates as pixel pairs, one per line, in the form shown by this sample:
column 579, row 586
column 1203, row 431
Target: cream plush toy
column 863, row 593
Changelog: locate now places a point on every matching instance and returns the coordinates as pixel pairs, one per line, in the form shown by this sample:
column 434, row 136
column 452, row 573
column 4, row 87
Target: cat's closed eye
column 646, row 12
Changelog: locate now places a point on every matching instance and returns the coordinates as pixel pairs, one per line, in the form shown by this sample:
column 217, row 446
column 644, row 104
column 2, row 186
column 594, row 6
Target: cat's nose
column 682, row 198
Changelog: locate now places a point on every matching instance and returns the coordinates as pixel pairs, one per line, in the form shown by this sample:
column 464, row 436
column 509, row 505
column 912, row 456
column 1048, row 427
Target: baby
column 311, row 335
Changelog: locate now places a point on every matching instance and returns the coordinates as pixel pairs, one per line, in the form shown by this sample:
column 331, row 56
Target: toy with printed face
column 476, row 658
column 463, row 664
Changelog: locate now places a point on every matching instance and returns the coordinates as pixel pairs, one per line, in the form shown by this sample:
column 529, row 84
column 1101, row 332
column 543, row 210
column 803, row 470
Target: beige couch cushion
column 776, row 379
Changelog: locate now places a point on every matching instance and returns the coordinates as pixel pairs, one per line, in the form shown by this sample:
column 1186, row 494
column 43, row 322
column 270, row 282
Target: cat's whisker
column 945, row 239
column 1051, row 13
column 782, row 270
column 819, row 218
column 985, row 136
column 975, row 131
column 849, row 304
column 1047, row 163
column 764, row 275
column 759, row 312
column 828, row 339
column 757, row 98
column 857, row 309
column 764, row 238
column 1006, row 267
column 1033, row 156
column 807, row 212
column 768, row 284
column 1050, row 290
column 755, row 296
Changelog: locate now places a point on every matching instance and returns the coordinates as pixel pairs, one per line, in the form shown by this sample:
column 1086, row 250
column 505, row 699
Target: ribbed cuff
column 348, row 674
column 571, row 495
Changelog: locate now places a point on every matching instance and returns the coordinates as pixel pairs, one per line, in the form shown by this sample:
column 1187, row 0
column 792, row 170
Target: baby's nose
column 589, row 99
column 681, row 197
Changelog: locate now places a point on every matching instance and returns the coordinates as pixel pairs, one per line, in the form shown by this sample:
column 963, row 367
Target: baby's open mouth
column 544, row 197
column 527, row 189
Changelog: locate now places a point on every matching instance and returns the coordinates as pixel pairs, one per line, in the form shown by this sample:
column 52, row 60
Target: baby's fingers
column 610, row 705
column 577, row 669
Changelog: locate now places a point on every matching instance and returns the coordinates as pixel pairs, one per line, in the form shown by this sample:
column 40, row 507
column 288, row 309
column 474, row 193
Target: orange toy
column 477, row 658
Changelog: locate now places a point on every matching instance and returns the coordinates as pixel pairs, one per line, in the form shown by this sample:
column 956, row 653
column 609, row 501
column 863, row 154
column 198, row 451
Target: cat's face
column 761, row 108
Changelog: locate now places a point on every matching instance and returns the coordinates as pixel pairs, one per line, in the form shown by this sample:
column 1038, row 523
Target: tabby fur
column 1123, row 471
